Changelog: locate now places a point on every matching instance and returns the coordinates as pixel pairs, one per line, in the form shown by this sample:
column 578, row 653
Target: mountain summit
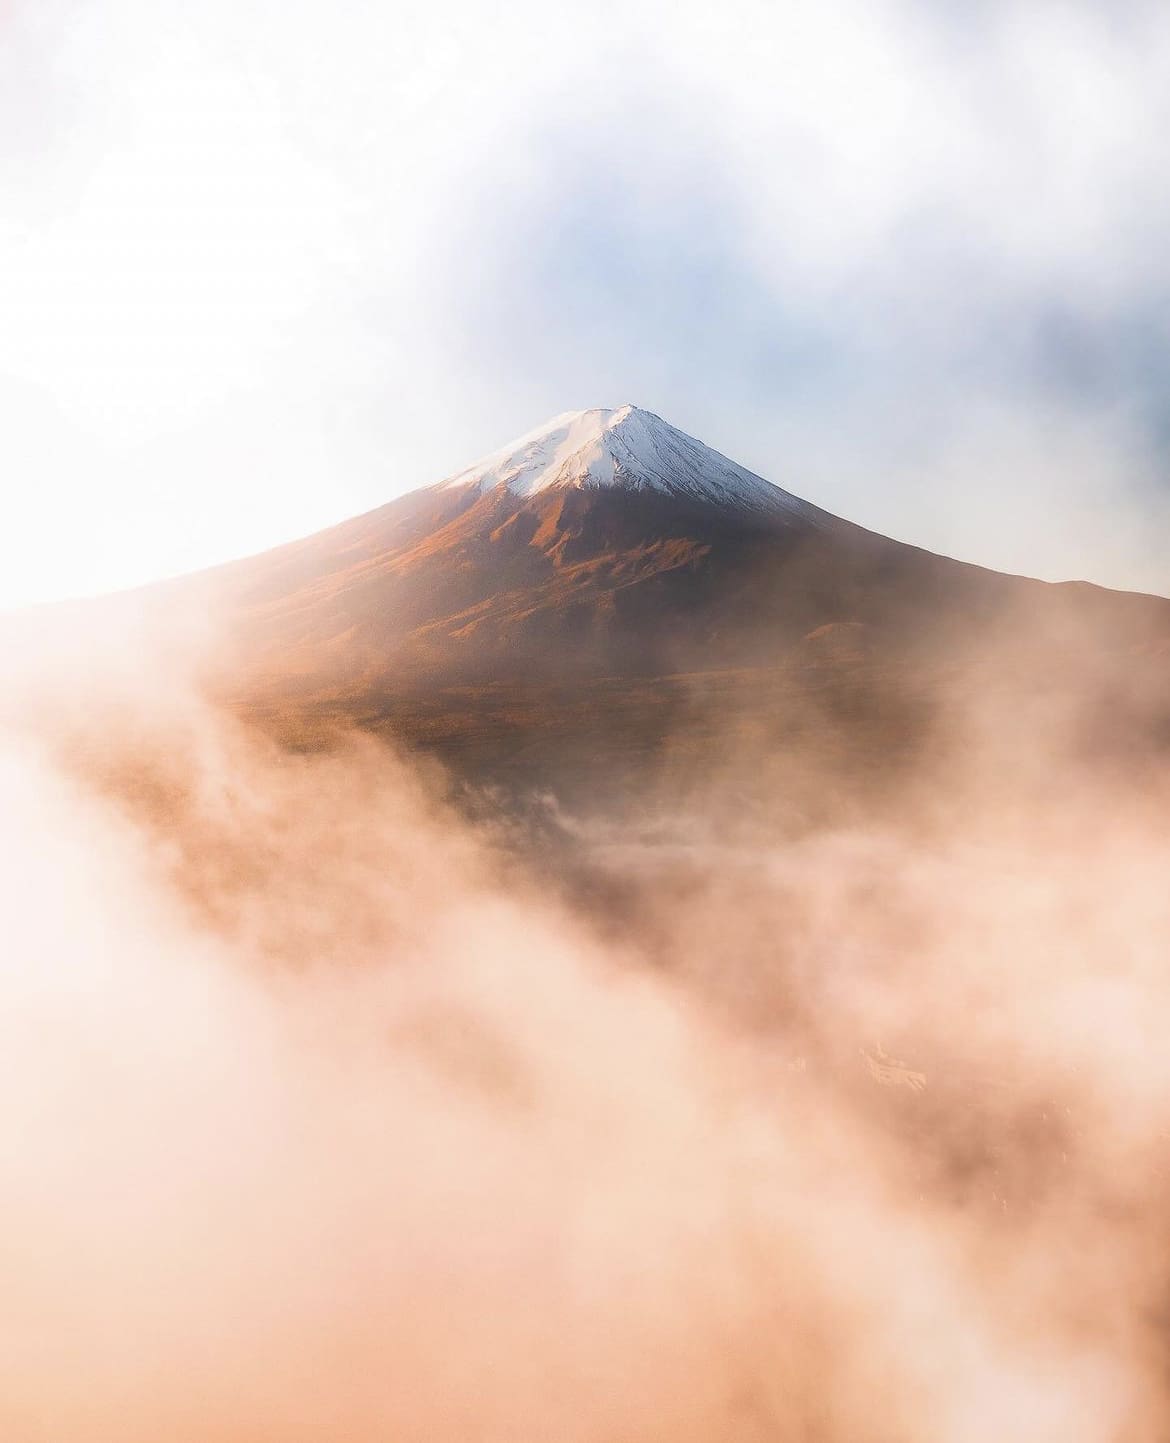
column 628, row 448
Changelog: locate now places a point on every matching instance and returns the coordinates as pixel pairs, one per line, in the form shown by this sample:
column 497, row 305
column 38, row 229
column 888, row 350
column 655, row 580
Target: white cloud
column 241, row 243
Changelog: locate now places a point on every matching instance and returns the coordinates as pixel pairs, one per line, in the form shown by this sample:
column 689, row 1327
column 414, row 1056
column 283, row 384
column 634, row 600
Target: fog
column 330, row 1113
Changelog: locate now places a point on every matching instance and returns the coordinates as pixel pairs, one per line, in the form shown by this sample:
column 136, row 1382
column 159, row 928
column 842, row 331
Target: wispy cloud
column 268, row 267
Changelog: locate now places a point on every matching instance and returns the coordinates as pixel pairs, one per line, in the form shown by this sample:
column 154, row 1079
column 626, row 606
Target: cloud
column 291, row 268
column 331, row 1115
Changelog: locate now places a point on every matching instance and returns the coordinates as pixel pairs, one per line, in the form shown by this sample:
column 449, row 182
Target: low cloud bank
column 326, row 1118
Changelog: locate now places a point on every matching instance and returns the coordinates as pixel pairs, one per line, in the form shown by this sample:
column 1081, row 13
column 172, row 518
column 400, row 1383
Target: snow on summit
column 626, row 447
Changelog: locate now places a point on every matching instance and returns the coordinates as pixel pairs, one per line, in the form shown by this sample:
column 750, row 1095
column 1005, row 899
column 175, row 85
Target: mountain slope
column 607, row 584
column 605, row 543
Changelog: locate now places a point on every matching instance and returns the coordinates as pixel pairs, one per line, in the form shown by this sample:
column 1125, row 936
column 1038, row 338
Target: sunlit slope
column 607, row 591
column 589, row 563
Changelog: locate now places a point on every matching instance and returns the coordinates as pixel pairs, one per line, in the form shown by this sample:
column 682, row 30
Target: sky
column 265, row 264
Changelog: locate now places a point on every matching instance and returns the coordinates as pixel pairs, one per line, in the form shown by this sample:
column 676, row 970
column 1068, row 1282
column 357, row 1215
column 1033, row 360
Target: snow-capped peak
column 627, row 448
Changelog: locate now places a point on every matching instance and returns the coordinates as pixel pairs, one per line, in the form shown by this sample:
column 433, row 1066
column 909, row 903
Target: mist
column 334, row 1110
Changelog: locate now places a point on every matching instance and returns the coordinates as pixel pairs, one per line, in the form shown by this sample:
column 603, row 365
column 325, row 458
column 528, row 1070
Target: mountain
column 609, row 585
